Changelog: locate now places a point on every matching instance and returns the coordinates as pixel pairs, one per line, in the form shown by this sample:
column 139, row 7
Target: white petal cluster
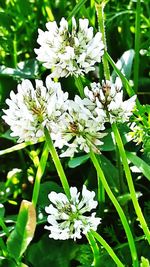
column 30, row 110
column 78, row 130
column 71, row 124
column 66, row 217
column 69, row 52
column 108, row 98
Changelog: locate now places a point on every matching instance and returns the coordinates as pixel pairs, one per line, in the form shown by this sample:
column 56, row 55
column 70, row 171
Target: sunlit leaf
column 23, row 233
column 26, row 69
column 125, row 82
column 18, row 147
column 140, row 164
column 124, row 64
column 144, row 262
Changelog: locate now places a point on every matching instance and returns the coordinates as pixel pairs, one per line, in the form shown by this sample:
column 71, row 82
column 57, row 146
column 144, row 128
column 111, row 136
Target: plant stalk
column 100, row 15
column 4, row 227
column 108, row 249
column 137, row 45
column 94, row 247
column 57, row 163
column 130, row 182
column 3, row 247
column 39, row 174
column 118, row 208
column 101, row 191
column 15, row 51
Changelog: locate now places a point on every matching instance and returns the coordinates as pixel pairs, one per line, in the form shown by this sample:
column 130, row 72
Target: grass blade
column 140, row 164
column 76, row 9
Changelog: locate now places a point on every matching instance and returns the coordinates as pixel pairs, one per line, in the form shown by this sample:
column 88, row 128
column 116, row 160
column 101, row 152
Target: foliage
column 22, row 164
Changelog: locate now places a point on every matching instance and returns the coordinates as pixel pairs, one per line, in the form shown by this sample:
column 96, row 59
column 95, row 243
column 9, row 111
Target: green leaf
column 29, row 67
column 40, row 171
column 26, row 69
column 24, row 8
column 125, row 82
column 7, row 263
column 124, row 64
column 75, row 162
column 76, row 9
column 45, row 189
column 7, row 135
column 5, row 20
column 18, row 147
column 48, row 252
column 124, row 199
column 144, row 262
column 108, row 144
column 84, row 255
column 139, row 163
column 106, row 261
column 5, row 71
column 110, row 172
column 2, row 210
column 23, row 233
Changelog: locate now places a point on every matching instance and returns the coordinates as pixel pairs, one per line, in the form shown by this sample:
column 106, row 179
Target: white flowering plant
column 75, row 136
column 72, row 52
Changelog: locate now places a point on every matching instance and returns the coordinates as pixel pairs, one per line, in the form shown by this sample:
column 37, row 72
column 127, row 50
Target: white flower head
column 119, row 110
column 66, row 217
column 108, row 98
column 31, row 109
column 77, row 130
column 67, row 52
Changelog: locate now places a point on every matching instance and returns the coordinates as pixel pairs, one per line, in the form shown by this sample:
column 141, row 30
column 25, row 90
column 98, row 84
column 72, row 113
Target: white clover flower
column 66, row 217
column 108, row 98
column 69, row 52
column 78, row 130
column 119, row 110
column 30, row 110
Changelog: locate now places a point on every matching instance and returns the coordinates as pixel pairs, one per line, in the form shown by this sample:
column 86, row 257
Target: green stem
column 100, row 15
column 101, row 191
column 57, row 163
column 75, row 10
column 94, row 247
column 108, row 249
column 3, row 247
column 137, row 45
column 130, row 182
column 15, row 51
column 39, row 174
column 79, row 85
column 120, row 171
column 4, row 227
column 118, row 208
